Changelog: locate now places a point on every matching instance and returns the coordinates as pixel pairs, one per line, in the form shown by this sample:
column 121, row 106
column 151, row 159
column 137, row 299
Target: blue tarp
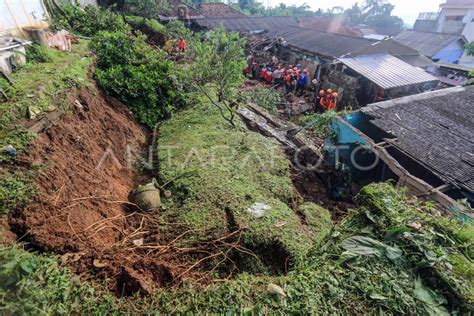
column 449, row 54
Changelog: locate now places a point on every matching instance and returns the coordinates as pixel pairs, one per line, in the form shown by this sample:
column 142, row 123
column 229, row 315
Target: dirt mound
column 81, row 210
column 83, row 184
column 83, row 173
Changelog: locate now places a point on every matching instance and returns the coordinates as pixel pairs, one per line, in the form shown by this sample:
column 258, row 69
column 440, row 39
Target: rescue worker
column 263, row 73
column 277, row 76
column 253, row 69
column 302, row 82
column 327, row 99
column 269, row 76
column 320, row 105
column 182, row 45
column 288, row 80
column 333, row 102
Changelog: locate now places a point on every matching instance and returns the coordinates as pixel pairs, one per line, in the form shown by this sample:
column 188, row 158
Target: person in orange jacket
column 323, row 101
column 182, row 45
column 333, row 102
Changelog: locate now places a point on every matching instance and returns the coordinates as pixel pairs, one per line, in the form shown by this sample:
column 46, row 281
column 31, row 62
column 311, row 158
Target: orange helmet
column 321, row 92
column 335, row 94
column 329, row 90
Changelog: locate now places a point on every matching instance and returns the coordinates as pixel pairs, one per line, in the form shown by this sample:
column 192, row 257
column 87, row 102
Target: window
column 454, row 18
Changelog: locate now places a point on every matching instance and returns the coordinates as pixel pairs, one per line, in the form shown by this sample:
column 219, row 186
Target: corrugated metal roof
column 427, row 43
column 435, row 129
column 324, row 43
column 387, row 71
column 248, row 24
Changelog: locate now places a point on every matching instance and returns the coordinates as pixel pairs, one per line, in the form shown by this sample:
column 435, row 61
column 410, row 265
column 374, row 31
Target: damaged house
column 17, row 20
column 383, row 77
column 423, row 141
column 325, row 55
column 437, row 46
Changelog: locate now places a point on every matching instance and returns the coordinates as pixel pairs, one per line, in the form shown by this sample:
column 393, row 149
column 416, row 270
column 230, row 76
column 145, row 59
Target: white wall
column 16, row 14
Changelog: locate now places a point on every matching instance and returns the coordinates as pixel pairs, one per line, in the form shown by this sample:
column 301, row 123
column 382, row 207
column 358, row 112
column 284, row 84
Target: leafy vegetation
column 219, row 60
column 32, row 284
column 87, row 21
column 151, row 23
column 145, row 8
column 265, row 98
column 37, row 53
column 137, row 74
column 320, row 124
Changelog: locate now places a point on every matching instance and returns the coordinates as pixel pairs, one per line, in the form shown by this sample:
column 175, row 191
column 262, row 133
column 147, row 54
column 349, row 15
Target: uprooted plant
column 219, row 60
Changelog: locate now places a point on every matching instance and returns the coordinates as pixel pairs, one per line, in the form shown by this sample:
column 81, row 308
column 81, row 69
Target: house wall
column 464, row 27
column 17, row 14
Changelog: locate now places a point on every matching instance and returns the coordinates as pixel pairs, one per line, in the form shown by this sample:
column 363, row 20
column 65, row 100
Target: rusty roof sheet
column 387, row 71
column 219, row 10
column 435, row 129
column 329, row 44
column 248, row 24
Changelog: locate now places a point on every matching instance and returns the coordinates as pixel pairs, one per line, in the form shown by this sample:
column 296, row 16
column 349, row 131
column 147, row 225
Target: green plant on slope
column 137, row 74
column 219, row 60
column 37, row 53
column 32, row 284
column 265, row 98
column 15, row 191
column 320, row 124
column 87, row 21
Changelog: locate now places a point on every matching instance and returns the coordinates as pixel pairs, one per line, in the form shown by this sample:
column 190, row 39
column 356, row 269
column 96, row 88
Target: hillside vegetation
column 237, row 236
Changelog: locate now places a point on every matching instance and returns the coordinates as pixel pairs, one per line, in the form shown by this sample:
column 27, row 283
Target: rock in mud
column 147, row 197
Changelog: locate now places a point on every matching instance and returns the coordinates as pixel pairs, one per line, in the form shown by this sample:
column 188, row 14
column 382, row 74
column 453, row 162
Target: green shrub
column 137, row 74
column 38, row 54
column 89, row 20
column 320, row 124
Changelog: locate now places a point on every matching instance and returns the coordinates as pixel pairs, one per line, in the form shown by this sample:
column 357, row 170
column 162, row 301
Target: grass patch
column 41, row 85
column 32, row 284
column 151, row 23
column 16, row 190
column 231, row 169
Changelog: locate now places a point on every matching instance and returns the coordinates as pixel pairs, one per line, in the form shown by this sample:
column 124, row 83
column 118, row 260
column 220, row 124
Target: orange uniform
column 182, row 45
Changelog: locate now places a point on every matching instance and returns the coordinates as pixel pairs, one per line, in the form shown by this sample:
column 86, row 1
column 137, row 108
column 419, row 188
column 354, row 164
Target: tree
column 145, row 8
column 374, row 13
column 217, row 72
column 355, row 14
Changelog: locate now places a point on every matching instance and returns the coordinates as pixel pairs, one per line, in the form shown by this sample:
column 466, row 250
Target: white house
column 18, row 14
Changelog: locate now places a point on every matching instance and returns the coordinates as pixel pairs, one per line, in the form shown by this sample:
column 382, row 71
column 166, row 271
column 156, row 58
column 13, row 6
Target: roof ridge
column 440, row 33
column 346, row 35
column 411, row 98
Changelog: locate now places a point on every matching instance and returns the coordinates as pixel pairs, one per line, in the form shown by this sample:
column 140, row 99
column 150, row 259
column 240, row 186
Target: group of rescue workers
column 295, row 79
